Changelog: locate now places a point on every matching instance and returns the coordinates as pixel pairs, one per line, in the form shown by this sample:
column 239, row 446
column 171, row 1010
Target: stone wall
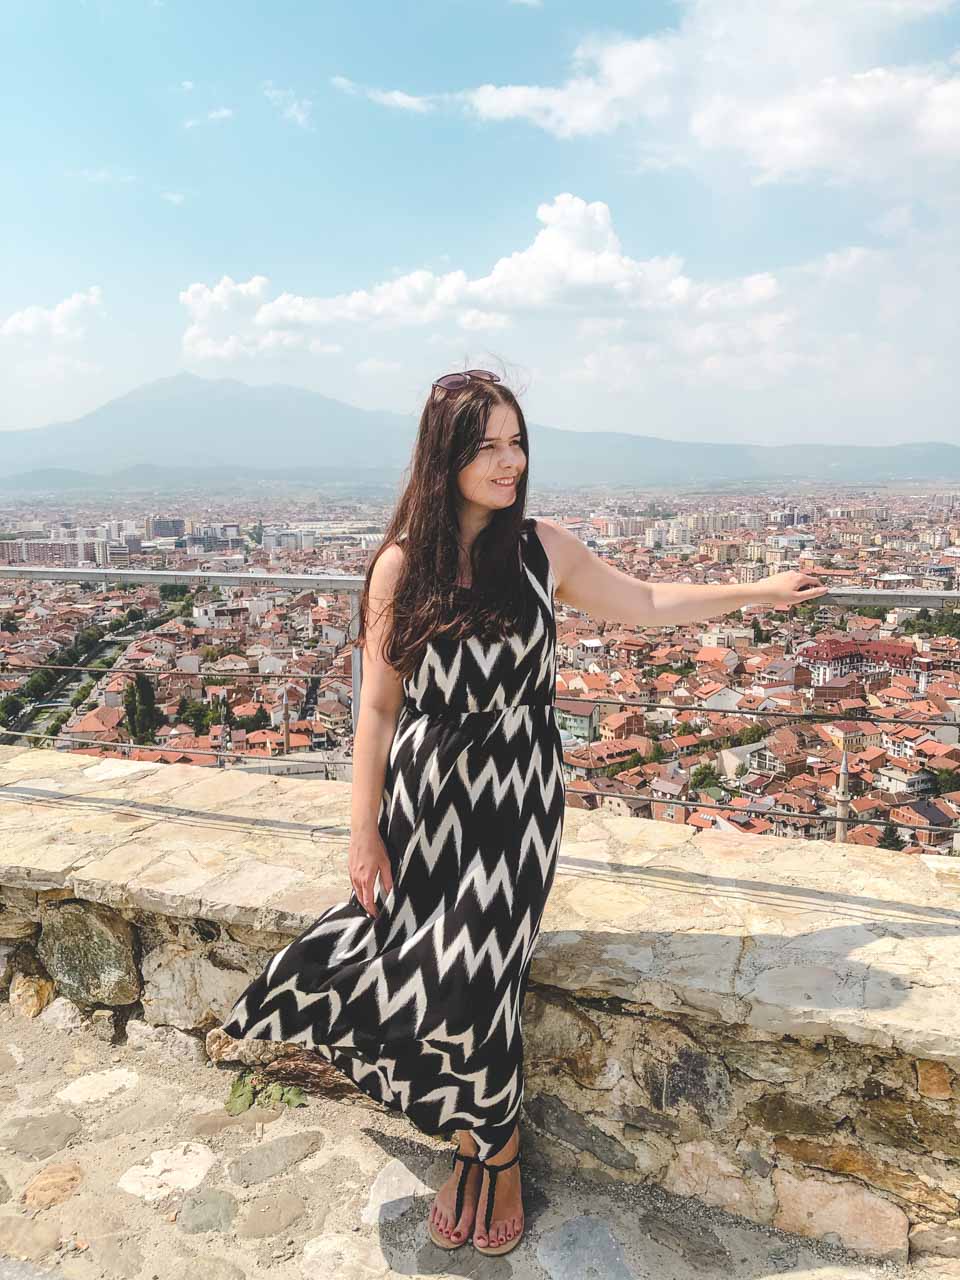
column 767, row 1025
column 816, row 1136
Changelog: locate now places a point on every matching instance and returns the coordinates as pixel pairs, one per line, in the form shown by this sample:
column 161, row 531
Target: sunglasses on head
column 456, row 381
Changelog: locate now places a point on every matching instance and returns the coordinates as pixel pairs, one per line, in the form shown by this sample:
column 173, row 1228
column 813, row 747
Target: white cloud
column 574, row 262
column 186, row 85
column 215, row 311
column 288, row 104
column 530, row 4
column 55, row 366
column 172, row 197
column 857, row 342
column 474, row 319
column 385, row 97
column 103, row 176
column 217, row 114
column 789, row 89
column 894, row 222
column 62, row 322
column 373, row 365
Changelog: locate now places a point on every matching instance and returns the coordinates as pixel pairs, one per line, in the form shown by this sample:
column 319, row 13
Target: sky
column 699, row 220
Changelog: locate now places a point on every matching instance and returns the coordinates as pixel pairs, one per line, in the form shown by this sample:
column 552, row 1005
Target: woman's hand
column 784, row 589
column 368, row 856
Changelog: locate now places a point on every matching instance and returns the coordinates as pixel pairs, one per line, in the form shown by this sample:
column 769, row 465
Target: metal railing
column 352, row 586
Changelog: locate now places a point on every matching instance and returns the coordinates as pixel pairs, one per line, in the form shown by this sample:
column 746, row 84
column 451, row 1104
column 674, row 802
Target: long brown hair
column 426, row 602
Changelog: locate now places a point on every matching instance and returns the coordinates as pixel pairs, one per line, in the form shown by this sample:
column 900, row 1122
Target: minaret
column 843, row 800
column 224, row 735
column 286, row 723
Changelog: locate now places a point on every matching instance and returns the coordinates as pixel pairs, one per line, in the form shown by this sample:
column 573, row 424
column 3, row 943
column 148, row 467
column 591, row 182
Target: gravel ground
column 330, row 1189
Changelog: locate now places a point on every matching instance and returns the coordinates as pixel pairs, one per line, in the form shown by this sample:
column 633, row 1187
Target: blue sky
column 716, row 219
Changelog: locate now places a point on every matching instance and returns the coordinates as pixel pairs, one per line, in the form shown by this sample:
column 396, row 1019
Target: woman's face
column 501, row 458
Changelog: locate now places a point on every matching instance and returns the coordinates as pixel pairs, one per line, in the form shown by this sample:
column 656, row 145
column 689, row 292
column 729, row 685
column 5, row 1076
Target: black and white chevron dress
column 421, row 1006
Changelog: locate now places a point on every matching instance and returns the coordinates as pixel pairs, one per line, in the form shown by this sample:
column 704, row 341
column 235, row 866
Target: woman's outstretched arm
column 588, row 583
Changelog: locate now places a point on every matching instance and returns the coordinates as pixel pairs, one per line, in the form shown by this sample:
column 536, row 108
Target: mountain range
column 186, row 432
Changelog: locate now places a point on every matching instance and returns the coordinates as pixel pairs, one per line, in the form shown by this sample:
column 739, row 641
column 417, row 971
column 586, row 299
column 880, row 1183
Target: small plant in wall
column 251, row 1088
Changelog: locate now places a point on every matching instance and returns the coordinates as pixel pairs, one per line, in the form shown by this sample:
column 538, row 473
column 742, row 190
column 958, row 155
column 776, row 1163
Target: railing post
column 356, row 661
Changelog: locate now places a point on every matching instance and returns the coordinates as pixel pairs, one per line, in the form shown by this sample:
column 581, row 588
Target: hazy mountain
column 186, row 432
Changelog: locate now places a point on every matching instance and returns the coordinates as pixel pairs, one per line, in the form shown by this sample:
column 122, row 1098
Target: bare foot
column 507, row 1220
column 445, row 1203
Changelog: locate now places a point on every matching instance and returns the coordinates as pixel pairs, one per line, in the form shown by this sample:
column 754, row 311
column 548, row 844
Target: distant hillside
column 185, row 430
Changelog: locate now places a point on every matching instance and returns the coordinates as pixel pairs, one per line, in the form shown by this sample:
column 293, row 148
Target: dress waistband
column 409, row 704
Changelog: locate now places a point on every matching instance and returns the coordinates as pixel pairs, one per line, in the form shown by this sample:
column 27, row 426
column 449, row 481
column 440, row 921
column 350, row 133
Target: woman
column 414, row 987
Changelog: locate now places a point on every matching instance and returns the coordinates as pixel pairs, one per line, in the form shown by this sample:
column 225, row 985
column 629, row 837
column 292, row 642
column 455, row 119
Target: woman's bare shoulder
column 386, row 569
column 561, row 546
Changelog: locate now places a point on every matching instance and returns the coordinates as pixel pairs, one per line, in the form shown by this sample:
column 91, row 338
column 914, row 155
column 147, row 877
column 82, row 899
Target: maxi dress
column 420, row 1006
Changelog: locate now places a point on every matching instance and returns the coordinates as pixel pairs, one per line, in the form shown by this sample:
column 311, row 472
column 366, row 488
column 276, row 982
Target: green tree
column 945, row 780
column 705, row 775
column 749, row 734
column 11, row 708
column 889, row 839
column 258, row 721
column 140, row 709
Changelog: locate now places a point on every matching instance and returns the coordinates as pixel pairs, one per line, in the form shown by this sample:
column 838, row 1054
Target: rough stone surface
column 210, row 1209
column 179, row 1168
column 843, row 1159
column 393, row 1192
column 15, row 925
column 270, row 1214
column 27, row 1240
column 30, row 995
column 583, row 1248
column 90, row 953
column 267, row 1159
column 701, row 1170
column 939, row 1238
column 223, row 1048
column 852, row 1216
column 715, row 1013
column 98, row 1086
column 103, row 1025
column 37, row 1137
column 934, row 1080
column 345, row 1257
column 62, row 1014
column 184, row 988
column 51, row 1185
column 170, row 1042
column 209, row 1268
column 553, row 1116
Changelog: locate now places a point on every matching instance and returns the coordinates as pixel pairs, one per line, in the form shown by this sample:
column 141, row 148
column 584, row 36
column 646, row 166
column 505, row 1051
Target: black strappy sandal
column 493, row 1170
column 442, row 1241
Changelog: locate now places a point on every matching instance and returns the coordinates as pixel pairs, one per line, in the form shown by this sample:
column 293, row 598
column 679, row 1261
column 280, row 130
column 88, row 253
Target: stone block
column 842, row 1214
column 183, row 988
column 30, row 995
column 677, row 1075
column 939, row 1239
column 853, row 1162
column 934, row 1080
column 701, row 1169
column 783, row 1113
column 165, row 1042
column 90, row 952
column 552, row 1116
